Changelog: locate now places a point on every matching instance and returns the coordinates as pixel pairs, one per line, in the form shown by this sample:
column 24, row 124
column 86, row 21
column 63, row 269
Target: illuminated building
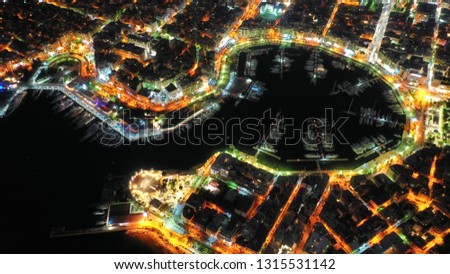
column 128, row 50
column 192, row 206
column 141, row 40
column 270, row 12
column 121, row 215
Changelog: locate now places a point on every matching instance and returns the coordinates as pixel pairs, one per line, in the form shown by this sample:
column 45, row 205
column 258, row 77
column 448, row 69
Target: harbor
column 303, row 108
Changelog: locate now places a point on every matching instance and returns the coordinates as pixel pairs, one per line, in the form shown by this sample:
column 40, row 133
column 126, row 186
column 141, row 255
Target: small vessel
column 63, row 105
column 315, row 68
column 99, row 213
column 73, row 112
column 90, row 131
column 15, row 103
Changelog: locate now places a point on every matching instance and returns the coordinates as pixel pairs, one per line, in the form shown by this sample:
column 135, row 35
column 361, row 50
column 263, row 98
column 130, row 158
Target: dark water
column 49, row 177
column 296, row 98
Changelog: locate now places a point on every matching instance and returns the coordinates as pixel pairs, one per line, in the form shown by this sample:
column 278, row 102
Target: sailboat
column 349, row 111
